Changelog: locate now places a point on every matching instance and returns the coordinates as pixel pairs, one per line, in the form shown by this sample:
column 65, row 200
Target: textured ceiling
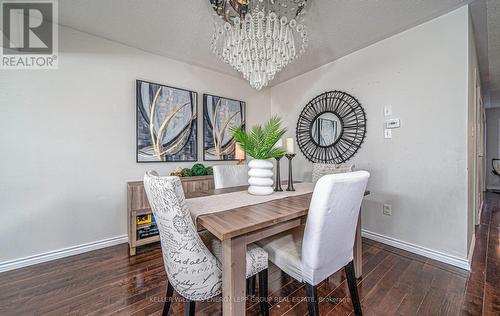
column 493, row 16
column 180, row 29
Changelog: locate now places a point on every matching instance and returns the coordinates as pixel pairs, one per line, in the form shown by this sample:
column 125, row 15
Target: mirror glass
column 326, row 129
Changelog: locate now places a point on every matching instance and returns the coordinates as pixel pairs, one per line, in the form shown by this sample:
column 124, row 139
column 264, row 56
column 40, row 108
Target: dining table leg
column 358, row 259
column 233, row 276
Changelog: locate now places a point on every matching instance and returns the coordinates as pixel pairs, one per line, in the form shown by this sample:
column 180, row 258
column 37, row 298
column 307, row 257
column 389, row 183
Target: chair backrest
column 226, row 176
column 192, row 269
column 321, row 169
column 331, row 224
column 495, row 164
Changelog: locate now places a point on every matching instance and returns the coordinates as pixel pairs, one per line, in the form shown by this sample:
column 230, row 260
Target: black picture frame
column 207, row 125
column 193, row 125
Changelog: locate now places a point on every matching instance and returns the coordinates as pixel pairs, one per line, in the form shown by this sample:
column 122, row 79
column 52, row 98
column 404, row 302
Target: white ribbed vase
column 261, row 177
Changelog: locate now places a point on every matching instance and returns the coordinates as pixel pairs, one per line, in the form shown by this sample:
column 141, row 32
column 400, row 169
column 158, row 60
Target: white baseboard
column 462, row 263
column 61, row 253
column 70, row 251
column 471, row 249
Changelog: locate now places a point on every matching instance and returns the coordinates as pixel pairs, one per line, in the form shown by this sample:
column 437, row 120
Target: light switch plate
column 393, row 123
column 387, row 133
column 387, row 110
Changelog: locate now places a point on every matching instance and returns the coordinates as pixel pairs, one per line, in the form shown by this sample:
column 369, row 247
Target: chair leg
column 353, row 288
column 251, row 285
column 168, row 299
column 263, row 293
column 189, row 307
column 312, row 300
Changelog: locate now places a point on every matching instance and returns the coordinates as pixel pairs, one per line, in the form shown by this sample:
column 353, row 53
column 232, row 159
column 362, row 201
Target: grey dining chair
column 321, row 169
column 226, row 176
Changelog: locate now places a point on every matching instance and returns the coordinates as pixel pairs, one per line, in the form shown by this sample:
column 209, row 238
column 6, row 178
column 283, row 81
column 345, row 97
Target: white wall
column 492, row 146
column 68, row 135
column 474, row 117
column 68, row 140
column 421, row 171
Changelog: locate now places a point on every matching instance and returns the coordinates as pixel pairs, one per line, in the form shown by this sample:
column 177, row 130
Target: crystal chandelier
column 259, row 37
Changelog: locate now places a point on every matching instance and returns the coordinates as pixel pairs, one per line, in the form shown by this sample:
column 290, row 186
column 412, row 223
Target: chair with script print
column 192, row 260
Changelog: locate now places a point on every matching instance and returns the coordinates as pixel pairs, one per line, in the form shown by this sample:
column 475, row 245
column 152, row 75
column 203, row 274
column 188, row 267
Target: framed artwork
column 166, row 123
column 220, row 115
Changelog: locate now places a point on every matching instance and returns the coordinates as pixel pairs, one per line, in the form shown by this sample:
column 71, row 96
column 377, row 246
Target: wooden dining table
column 236, row 228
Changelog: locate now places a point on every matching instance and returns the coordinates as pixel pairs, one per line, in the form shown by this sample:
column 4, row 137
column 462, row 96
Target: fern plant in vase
column 259, row 143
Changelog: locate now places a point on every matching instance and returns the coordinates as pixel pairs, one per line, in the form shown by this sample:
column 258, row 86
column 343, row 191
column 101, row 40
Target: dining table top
column 250, row 218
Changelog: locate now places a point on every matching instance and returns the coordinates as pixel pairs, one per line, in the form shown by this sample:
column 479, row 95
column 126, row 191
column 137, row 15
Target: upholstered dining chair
column 313, row 252
column 226, row 176
column 192, row 260
column 321, row 169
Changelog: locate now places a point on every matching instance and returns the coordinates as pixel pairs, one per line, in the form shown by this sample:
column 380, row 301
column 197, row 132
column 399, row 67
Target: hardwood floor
column 395, row 282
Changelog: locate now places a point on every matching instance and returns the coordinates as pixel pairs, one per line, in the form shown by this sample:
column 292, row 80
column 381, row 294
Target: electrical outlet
column 387, row 210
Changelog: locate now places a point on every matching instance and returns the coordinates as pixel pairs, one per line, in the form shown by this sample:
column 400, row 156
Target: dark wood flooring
column 395, row 282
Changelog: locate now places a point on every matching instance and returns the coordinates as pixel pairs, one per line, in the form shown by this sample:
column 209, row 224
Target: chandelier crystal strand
column 263, row 41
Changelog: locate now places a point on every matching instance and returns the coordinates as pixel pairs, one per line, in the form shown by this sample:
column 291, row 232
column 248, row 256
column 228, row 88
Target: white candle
column 289, row 145
column 279, row 143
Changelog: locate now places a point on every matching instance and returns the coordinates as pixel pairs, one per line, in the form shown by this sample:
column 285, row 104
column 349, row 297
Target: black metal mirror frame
column 352, row 119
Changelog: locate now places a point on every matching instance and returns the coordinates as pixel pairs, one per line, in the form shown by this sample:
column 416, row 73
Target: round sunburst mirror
column 331, row 128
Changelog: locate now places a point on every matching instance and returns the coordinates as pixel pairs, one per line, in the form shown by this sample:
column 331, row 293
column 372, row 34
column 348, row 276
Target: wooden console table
column 137, row 204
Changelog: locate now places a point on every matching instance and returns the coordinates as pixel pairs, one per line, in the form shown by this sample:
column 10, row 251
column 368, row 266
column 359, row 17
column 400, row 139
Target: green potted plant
column 260, row 144
column 199, row 169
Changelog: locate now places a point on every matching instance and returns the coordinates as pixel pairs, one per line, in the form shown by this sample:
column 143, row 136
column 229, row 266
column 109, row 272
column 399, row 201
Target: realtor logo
column 29, row 35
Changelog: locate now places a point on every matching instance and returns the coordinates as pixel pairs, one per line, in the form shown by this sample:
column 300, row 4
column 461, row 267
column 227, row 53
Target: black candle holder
column 277, row 187
column 290, row 172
